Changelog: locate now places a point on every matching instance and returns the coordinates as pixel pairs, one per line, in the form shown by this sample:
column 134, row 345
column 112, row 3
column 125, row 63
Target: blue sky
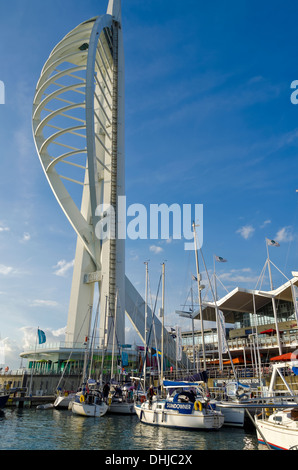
column 209, row 121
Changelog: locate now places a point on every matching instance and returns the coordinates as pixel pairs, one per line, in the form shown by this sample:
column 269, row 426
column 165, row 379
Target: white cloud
column 246, row 231
column 62, row 267
column 60, row 332
column 5, row 269
column 26, row 237
column 238, row 275
column 10, row 351
column 43, row 303
column 284, row 235
column 156, row 249
column 265, row 223
column 4, row 229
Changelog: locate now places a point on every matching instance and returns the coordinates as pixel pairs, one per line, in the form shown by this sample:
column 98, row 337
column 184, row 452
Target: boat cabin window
column 185, row 396
column 277, row 418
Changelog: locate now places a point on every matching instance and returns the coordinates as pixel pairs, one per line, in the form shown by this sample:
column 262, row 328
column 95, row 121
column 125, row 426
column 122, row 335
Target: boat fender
column 198, row 405
column 82, row 398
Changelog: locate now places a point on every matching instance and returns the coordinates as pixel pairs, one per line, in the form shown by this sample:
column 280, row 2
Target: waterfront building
column 266, row 320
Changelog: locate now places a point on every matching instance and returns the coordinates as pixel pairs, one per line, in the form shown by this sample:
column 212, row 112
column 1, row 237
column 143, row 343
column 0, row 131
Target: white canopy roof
column 242, row 300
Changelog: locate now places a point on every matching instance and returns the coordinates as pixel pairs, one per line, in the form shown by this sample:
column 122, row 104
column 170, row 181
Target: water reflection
column 57, row 429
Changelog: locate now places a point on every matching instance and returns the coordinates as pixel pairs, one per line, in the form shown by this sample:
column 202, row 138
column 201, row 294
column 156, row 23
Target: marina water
column 32, row 429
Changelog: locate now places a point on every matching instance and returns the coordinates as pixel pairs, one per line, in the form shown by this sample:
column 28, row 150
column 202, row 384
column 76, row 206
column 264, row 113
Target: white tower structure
column 78, row 126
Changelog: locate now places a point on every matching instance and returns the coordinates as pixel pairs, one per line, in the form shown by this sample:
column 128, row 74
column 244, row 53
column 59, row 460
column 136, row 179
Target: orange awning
column 236, row 360
column 284, row 357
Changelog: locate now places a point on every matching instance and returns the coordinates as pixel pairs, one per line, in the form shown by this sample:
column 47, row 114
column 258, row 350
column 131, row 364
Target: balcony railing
column 55, row 346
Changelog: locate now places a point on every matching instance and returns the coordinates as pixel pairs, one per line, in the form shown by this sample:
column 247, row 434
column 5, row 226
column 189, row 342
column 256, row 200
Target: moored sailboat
column 121, row 401
column 183, row 408
column 278, row 427
column 89, row 403
column 279, row 430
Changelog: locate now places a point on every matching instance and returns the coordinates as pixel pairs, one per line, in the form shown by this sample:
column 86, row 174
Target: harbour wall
column 45, row 385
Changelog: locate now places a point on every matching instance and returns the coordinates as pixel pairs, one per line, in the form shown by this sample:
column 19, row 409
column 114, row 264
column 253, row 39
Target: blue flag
column 41, row 336
column 124, row 359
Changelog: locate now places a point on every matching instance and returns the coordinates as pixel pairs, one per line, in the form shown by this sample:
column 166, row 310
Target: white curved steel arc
column 70, row 42
column 58, row 112
column 53, row 78
column 81, row 29
column 50, row 97
column 50, row 139
column 86, row 69
column 75, row 217
column 63, row 156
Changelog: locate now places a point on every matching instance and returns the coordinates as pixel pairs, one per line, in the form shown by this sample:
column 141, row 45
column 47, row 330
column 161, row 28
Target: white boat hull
column 277, row 435
column 159, row 416
column 232, row 416
column 122, row 408
column 86, row 409
column 62, row 402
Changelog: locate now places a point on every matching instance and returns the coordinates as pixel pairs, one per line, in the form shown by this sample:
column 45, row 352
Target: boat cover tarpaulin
column 178, row 384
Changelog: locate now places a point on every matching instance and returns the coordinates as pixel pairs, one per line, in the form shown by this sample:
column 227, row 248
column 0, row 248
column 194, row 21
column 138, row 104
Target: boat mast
column 145, row 332
column 162, row 323
column 200, row 287
column 219, row 329
column 114, row 334
column 193, row 333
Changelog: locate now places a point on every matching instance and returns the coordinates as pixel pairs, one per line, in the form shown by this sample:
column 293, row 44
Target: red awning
column 271, row 331
column 284, row 357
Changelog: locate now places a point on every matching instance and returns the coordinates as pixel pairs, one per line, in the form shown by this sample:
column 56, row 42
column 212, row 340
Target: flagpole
column 273, row 300
column 257, row 340
column 223, row 328
column 32, row 369
column 269, row 267
column 217, row 321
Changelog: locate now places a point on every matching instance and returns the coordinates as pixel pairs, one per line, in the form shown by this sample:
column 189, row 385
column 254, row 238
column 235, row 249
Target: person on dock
column 106, row 390
column 150, row 394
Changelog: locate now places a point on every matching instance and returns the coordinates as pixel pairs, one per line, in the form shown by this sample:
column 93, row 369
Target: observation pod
column 78, row 127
